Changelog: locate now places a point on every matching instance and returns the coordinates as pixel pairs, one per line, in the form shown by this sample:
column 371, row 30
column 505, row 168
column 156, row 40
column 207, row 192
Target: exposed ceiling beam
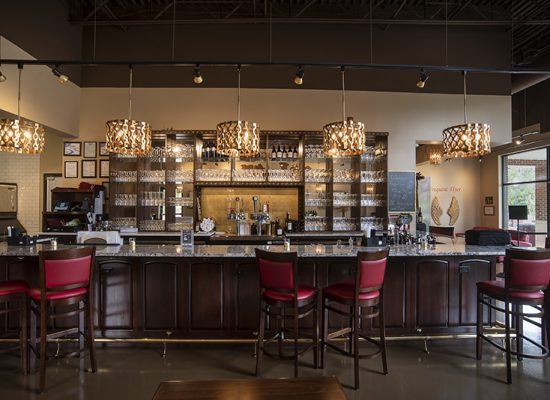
column 396, row 13
column 234, row 10
column 304, row 8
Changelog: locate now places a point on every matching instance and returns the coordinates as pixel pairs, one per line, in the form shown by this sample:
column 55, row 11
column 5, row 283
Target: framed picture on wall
column 89, row 168
column 72, row 149
column 103, row 168
column 71, row 169
column 90, row 150
column 103, row 149
column 488, row 210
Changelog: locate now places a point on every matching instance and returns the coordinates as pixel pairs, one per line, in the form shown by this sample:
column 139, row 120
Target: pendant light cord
column 239, row 93
column 19, row 93
column 130, row 94
column 464, row 83
column 343, row 94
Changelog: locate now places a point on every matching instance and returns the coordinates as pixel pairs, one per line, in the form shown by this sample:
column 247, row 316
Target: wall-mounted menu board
column 401, row 191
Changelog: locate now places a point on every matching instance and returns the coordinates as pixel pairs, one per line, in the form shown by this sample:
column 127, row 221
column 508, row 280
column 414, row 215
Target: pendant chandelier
column 128, row 136
column 468, row 139
column 435, row 157
column 238, row 138
column 344, row 138
column 20, row 136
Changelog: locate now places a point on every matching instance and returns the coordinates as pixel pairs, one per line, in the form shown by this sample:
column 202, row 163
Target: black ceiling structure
column 527, row 21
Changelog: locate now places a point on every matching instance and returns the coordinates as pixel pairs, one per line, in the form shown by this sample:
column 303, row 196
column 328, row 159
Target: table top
column 318, row 388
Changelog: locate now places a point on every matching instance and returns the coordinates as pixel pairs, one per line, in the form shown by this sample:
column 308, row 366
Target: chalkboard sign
column 401, row 191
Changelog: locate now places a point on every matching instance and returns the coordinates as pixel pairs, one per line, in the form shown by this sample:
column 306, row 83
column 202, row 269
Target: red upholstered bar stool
column 526, row 283
column 283, row 299
column 13, row 297
column 362, row 298
column 65, row 290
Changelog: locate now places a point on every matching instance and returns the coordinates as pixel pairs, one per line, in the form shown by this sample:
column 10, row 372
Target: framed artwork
column 488, row 200
column 90, row 150
column 89, row 168
column 488, row 210
column 72, row 149
column 103, row 168
column 103, row 149
column 71, row 169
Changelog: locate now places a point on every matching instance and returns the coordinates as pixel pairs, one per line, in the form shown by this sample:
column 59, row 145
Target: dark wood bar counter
column 211, row 292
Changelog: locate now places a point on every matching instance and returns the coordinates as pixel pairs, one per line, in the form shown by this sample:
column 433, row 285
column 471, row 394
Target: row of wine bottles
column 285, row 152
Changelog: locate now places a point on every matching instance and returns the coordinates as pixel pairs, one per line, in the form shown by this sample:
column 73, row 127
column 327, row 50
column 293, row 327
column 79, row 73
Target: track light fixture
column 422, row 79
column 197, row 77
column 3, row 77
column 62, row 78
column 299, row 78
column 519, row 140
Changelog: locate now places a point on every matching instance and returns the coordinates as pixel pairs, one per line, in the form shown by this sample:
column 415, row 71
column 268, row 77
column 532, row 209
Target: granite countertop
column 318, row 250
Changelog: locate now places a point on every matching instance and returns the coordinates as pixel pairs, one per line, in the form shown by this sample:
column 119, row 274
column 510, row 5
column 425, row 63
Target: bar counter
column 211, row 292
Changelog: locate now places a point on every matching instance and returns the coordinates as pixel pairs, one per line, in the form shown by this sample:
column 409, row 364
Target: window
column 525, row 182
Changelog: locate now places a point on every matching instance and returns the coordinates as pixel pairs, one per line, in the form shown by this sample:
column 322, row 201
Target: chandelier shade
column 344, row 138
column 20, row 136
column 238, row 138
column 467, row 139
column 129, row 137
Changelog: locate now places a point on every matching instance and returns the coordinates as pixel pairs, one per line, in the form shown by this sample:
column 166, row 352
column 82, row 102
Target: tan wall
column 458, row 178
column 407, row 117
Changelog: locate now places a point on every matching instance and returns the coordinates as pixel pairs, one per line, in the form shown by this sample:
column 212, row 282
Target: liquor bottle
column 288, row 222
column 285, row 152
column 278, row 228
column 213, row 149
column 203, row 156
column 273, row 153
column 295, row 153
column 279, row 152
column 207, row 150
column 419, row 217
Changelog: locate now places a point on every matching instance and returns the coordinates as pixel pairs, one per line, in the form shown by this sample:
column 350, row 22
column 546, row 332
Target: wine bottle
column 213, row 149
column 273, row 153
column 207, row 150
column 278, row 228
column 295, row 153
column 285, row 152
column 288, row 222
column 279, row 152
column 419, row 218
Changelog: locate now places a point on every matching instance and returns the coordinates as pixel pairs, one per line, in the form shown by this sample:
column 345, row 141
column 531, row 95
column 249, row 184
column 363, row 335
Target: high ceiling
column 527, row 21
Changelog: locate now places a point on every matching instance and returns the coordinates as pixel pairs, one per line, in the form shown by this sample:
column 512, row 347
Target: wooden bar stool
column 65, row 282
column 282, row 298
column 364, row 298
column 526, row 283
column 13, row 294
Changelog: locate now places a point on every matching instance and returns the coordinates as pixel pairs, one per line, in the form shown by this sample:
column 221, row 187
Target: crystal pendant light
column 20, row 136
column 344, row 138
column 238, row 138
column 128, row 136
column 467, row 139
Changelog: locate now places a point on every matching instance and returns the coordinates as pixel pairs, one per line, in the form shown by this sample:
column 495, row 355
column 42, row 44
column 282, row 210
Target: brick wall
column 25, row 171
column 541, row 195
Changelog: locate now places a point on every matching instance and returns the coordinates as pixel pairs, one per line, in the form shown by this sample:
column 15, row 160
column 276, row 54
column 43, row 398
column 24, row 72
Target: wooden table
column 318, row 388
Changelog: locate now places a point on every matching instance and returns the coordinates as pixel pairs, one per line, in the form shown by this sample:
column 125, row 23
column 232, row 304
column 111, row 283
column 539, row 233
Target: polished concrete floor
column 448, row 371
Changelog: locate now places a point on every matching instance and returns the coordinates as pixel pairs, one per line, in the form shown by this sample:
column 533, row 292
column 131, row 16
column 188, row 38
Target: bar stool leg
column 479, row 326
column 260, row 342
column 546, row 322
column 324, row 330
column 90, row 335
column 295, row 340
column 507, row 340
column 23, row 317
column 43, row 334
column 316, row 333
column 33, row 342
column 355, row 330
column 382, row 333
column 519, row 331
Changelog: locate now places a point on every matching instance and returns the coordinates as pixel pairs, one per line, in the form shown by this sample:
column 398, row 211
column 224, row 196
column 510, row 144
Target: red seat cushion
column 64, row 294
column 347, row 291
column 304, row 292
column 496, row 288
column 13, row 287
